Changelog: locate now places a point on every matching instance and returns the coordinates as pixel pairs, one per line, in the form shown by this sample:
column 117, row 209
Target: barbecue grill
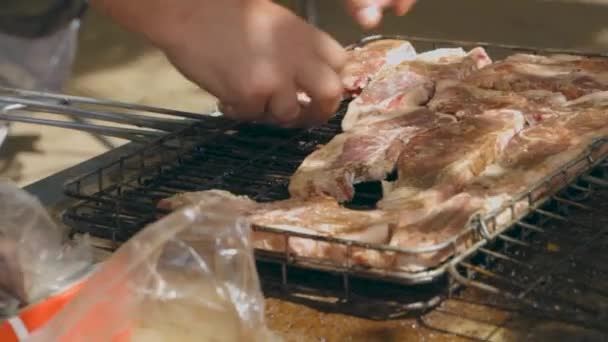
column 547, row 260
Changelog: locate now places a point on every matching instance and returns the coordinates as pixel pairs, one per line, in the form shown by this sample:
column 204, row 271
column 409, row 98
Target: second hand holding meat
column 368, row 13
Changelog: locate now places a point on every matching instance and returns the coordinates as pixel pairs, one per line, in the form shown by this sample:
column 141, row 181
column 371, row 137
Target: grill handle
column 145, row 123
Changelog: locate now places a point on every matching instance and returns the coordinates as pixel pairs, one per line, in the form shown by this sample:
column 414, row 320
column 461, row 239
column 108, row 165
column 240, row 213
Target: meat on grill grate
column 462, row 99
column 572, row 76
column 322, row 216
column 363, row 63
column 363, row 155
column 489, row 132
column 436, row 164
column 411, row 84
column 531, row 155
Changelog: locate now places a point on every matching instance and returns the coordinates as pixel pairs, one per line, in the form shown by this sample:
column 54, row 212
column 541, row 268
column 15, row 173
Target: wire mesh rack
column 553, row 261
column 119, row 199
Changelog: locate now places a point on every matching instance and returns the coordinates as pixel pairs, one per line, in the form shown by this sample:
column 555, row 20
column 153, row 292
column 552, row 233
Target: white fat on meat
column 210, row 198
column 364, row 63
column 322, row 216
column 410, row 84
column 437, row 55
column 403, row 52
column 597, row 100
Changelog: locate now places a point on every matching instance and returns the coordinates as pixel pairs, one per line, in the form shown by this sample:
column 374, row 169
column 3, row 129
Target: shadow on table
column 10, row 166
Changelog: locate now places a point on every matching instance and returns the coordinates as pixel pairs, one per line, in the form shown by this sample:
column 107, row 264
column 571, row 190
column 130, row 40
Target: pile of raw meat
column 464, row 135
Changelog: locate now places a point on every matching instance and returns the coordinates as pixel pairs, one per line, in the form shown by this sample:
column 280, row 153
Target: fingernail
column 303, row 99
column 370, row 16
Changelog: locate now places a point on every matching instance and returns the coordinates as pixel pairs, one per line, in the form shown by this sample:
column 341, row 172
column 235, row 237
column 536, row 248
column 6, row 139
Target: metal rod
column 595, row 181
column 24, row 105
column 98, row 102
column 21, row 105
column 102, row 139
column 123, row 133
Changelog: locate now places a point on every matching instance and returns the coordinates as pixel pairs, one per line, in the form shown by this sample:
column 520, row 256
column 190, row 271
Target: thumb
column 368, row 13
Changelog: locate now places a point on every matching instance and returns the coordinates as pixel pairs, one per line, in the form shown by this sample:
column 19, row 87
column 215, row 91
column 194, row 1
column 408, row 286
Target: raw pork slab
column 573, row 76
column 361, row 155
column 321, row 216
column 363, row 63
column 437, row 163
column 530, row 156
column 411, row 84
column 462, row 99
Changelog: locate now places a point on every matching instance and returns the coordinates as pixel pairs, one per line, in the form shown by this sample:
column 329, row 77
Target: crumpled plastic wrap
column 190, row 276
column 43, row 63
column 36, row 256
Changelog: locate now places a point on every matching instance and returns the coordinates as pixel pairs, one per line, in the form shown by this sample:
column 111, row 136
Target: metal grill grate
column 554, row 260
column 119, row 199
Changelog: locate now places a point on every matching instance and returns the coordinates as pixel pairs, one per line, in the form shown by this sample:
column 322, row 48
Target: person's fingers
column 331, row 51
column 403, row 6
column 246, row 109
column 283, row 105
column 370, row 17
column 251, row 91
column 368, row 13
column 322, row 84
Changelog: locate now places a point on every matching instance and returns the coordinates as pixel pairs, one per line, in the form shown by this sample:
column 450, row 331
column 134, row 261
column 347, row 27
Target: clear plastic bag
column 190, row 276
column 36, row 256
column 42, row 64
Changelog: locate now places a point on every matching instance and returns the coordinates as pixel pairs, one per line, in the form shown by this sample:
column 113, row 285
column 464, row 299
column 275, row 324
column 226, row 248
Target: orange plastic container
column 35, row 316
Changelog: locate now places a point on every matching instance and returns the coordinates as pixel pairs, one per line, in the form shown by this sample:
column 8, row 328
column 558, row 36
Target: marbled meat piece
column 573, row 76
column 529, row 157
column 462, row 99
column 363, row 63
column 411, row 84
column 436, row 164
column 321, row 216
column 361, row 155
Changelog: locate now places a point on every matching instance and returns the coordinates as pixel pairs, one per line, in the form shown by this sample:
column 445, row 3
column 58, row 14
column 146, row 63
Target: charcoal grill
column 527, row 259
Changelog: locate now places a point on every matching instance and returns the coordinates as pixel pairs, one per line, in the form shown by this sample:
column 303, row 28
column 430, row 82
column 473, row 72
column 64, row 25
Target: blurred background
column 113, row 64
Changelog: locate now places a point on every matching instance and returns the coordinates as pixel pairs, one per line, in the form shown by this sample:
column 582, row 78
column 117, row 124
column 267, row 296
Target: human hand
column 368, row 13
column 253, row 55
